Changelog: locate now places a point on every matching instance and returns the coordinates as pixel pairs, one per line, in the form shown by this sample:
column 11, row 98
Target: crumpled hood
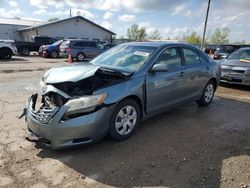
column 71, row 73
column 228, row 62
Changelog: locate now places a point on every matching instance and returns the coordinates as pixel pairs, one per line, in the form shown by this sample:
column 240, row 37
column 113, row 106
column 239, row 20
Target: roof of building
column 23, row 22
column 80, row 17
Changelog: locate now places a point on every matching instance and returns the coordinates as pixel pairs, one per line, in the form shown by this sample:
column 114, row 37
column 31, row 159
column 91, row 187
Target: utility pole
column 70, row 13
column 205, row 26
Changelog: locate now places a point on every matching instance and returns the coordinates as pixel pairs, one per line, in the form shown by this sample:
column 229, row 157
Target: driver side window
column 170, row 57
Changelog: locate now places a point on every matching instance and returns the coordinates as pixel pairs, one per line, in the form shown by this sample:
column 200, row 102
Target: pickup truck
column 24, row 48
column 7, row 49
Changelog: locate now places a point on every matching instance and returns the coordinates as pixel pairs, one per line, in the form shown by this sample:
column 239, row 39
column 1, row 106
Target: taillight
column 68, row 49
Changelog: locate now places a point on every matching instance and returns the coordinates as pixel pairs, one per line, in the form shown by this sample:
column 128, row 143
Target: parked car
column 81, row 49
column 50, row 50
column 7, row 49
column 24, row 48
column 236, row 67
column 116, row 90
column 222, row 51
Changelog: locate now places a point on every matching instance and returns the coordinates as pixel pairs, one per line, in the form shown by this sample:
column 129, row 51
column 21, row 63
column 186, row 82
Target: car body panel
column 54, row 75
column 154, row 92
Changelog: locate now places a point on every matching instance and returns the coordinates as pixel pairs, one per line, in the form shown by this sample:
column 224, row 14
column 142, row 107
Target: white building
column 9, row 27
column 75, row 27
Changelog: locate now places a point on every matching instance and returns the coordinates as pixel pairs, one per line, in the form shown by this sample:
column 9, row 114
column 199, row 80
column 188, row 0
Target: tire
column 123, row 123
column 25, row 51
column 6, row 54
column 207, row 95
column 54, row 54
column 80, row 57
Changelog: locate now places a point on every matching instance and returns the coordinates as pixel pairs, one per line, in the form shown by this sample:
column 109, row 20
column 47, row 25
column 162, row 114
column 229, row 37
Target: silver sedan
column 235, row 69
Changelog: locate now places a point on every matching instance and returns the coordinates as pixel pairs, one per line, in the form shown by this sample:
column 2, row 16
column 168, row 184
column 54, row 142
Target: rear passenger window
column 79, row 44
column 190, row 56
column 171, row 57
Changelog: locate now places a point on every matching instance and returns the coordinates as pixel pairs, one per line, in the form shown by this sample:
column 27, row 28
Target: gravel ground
column 186, row 147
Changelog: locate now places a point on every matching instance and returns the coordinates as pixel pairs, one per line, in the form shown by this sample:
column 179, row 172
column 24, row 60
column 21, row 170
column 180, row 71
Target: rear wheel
column 124, row 120
column 25, row 51
column 80, row 57
column 54, row 54
column 208, row 94
column 6, row 54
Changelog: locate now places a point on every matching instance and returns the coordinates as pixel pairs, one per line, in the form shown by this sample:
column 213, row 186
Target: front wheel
column 207, row 95
column 124, row 120
column 54, row 54
column 25, row 52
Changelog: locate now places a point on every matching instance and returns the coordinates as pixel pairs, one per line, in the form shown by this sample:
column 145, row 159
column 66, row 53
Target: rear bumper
column 58, row 133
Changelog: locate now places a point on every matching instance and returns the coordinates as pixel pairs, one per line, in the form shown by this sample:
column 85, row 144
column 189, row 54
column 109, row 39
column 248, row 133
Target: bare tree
column 136, row 33
column 155, row 35
column 220, row 36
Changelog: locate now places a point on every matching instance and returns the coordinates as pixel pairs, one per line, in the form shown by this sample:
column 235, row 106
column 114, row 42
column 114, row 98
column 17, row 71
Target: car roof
column 159, row 44
column 244, row 48
column 79, row 40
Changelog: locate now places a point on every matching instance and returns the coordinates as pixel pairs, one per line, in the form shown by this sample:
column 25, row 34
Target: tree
column 194, row 38
column 220, row 36
column 155, row 35
column 136, row 33
column 53, row 19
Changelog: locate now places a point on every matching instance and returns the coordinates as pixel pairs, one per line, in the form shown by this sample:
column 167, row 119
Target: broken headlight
column 85, row 104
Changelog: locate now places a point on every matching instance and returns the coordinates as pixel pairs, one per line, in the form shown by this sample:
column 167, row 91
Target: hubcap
column 209, row 92
column 125, row 120
column 53, row 54
column 80, row 57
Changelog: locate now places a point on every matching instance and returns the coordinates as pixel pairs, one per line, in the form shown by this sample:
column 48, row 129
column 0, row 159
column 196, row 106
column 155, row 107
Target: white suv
column 7, row 49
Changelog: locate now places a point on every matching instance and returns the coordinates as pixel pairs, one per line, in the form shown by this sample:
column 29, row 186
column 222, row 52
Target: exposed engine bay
column 102, row 78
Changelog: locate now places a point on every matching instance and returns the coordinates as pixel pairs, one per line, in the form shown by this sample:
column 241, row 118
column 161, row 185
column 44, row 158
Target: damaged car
column 110, row 95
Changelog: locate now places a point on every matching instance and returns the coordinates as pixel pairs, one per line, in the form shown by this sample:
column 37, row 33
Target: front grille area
column 233, row 71
column 44, row 114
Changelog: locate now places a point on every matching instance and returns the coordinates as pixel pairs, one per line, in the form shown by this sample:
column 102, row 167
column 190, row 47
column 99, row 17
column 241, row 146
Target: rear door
column 196, row 72
column 90, row 49
column 164, row 89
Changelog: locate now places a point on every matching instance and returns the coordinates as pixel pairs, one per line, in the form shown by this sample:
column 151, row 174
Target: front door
column 164, row 89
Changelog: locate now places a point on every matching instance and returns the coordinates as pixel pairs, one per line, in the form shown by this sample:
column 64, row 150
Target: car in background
column 111, row 94
column 24, row 47
column 81, row 49
column 7, row 49
column 235, row 69
column 50, row 50
column 222, row 51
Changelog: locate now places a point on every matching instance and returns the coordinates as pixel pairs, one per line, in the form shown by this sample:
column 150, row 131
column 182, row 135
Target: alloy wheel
column 209, row 92
column 125, row 120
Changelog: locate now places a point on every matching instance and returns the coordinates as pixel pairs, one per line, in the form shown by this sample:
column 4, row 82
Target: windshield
column 57, row 42
column 125, row 56
column 240, row 54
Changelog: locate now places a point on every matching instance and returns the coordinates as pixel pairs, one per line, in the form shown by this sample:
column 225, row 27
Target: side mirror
column 101, row 47
column 159, row 68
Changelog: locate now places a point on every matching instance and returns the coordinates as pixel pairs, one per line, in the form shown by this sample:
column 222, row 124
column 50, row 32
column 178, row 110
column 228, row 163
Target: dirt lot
column 186, row 147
